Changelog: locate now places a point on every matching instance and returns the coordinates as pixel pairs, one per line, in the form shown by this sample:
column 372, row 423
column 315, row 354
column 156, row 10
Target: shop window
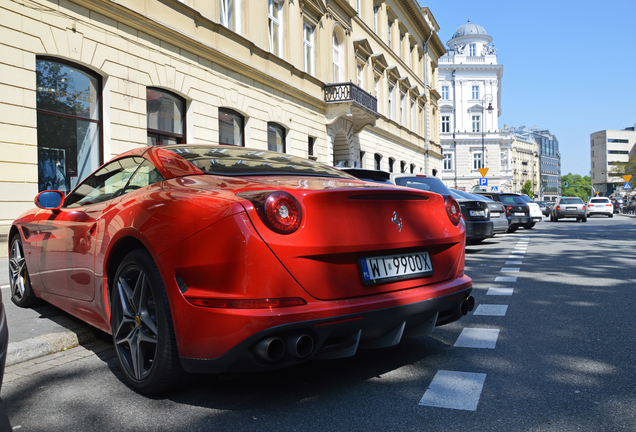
column 165, row 117
column 69, row 125
column 276, row 138
column 231, row 128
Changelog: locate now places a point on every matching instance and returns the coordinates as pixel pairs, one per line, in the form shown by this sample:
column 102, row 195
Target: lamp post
column 487, row 98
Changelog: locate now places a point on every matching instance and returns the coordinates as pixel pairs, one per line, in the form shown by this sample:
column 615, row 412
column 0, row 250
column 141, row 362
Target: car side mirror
column 50, row 200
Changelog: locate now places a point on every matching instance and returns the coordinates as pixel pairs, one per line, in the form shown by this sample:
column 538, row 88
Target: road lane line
column 491, row 310
column 477, row 338
column 510, row 269
column 500, row 291
column 513, row 262
column 454, row 390
column 506, row 279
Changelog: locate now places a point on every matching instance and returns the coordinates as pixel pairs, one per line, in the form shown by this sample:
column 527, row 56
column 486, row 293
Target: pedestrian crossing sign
column 494, row 189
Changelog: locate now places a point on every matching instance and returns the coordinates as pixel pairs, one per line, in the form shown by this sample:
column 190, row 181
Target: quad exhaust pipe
column 467, row 305
column 273, row 348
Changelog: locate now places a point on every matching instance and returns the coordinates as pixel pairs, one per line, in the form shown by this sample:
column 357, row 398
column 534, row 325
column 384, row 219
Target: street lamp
column 486, row 98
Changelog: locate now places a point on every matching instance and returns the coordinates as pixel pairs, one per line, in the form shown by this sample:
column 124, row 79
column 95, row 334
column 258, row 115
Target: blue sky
column 569, row 66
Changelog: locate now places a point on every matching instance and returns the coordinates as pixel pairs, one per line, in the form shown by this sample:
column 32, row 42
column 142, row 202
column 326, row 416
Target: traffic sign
column 627, row 178
column 627, row 185
column 494, row 189
column 483, row 181
column 484, row 171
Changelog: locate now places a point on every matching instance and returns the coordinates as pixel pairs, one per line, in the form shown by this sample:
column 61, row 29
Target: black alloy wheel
column 141, row 325
column 21, row 292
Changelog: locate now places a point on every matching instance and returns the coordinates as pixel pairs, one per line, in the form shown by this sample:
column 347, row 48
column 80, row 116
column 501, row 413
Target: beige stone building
column 525, row 164
column 346, row 82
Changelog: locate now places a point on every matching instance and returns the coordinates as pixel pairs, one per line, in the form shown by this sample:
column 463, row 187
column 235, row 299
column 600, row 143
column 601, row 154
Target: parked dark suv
column 517, row 209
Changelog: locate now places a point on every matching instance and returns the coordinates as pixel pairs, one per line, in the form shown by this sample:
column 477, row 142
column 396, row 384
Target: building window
column 391, row 102
column 445, row 124
column 336, row 57
column 308, row 46
column 477, row 161
column 310, row 146
column 231, row 15
column 231, row 128
column 402, row 46
column 378, row 160
column 413, row 122
column 376, row 10
column 475, row 92
column 472, row 50
column 448, row 161
column 390, row 27
column 276, row 138
column 69, row 125
column 412, row 168
column 391, row 164
column 476, row 123
column 445, row 92
column 360, row 75
column 402, row 167
column 402, row 109
column 275, row 15
column 165, row 117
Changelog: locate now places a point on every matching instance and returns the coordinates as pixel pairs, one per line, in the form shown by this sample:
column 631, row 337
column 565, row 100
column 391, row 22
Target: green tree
column 527, row 189
column 578, row 186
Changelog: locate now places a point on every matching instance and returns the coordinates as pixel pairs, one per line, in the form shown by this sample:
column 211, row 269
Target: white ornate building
column 470, row 87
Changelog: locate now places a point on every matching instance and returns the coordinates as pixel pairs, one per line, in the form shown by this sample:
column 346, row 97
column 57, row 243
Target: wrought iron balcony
column 347, row 99
column 349, row 92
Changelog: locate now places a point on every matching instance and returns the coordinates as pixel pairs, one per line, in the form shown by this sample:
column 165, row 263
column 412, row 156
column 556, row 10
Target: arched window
column 337, row 57
column 69, row 123
column 231, row 127
column 391, row 164
column 165, row 117
column 402, row 167
column 378, row 161
column 276, row 138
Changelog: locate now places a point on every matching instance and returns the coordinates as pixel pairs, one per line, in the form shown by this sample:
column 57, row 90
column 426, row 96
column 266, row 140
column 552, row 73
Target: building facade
column 345, row 82
column 608, row 148
column 470, row 88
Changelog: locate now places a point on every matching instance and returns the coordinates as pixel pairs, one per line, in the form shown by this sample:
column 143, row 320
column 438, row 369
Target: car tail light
column 452, row 209
column 247, row 304
column 508, row 208
column 558, row 207
column 584, row 207
column 591, row 205
column 279, row 210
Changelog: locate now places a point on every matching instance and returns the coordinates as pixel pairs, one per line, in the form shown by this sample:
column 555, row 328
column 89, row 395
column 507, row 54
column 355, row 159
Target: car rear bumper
column 500, row 225
column 520, row 220
column 377, row 322
column 571, row 214
column 479, row 230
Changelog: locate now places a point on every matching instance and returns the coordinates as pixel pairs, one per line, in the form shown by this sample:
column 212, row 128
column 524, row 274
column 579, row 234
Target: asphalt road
column 549, row 348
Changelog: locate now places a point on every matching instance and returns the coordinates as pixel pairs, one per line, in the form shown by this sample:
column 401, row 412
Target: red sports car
column 201, row 258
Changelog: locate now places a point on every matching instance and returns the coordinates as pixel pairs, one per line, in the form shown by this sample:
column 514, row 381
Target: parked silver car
column 569, row 207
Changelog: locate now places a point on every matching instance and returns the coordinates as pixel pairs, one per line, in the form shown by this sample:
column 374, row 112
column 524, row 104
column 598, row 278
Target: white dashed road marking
column 477, row 338
column 456, row 390
column 491, row 310
column 506, row 279
column 510, row 270
column 500, row 291
column 514, row 262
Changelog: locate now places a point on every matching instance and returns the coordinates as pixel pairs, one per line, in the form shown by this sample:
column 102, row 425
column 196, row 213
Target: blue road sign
column 483, row 181
column 494, row 189
column 627, row 185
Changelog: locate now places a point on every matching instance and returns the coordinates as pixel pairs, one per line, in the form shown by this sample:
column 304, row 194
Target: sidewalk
column 38, row 331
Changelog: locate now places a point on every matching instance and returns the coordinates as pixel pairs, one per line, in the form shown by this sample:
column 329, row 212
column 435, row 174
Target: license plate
column 520, row 214
column 395, row 267
column 570, row 208
column 495, row 215
column 477, row 212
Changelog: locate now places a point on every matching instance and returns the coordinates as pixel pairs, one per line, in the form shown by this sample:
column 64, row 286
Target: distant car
column 631, row 205
column 600, row 206
column 618, row 205
column 535, row 210
column 569, row 207
column 545, row 207
column 477, row 217
column 497, row 211
column 517, row 210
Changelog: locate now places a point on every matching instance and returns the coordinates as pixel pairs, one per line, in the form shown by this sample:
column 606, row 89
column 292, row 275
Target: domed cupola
column 470, row 33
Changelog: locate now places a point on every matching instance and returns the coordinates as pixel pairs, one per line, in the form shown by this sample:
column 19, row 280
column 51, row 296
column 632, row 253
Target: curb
column 29, row 349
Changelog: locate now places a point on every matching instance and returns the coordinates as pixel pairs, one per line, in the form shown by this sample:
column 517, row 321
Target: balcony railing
column 349, row 92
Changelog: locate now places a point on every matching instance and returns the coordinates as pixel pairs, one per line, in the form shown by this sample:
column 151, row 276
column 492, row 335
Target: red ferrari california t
column 219, row 259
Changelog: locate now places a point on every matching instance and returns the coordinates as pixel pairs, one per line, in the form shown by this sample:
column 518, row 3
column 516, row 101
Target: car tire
column 512, row 229
column 584, row 219
column 142, row 329
column 22, row 294
column 611, row 215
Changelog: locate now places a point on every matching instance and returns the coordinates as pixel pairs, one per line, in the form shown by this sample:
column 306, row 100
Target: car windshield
column 511, row 199
column 423, row 183
column 571, row 200
column 467, row 195
column 599, row 200
column 526, row 198
column 241, row 161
